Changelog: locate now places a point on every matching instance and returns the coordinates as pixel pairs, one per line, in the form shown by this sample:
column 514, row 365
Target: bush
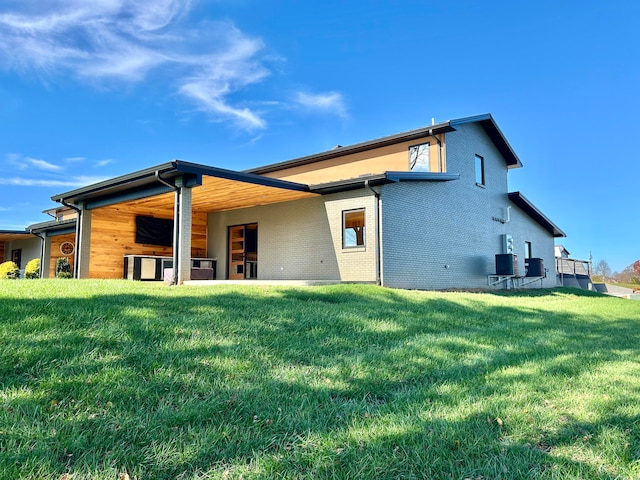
column 9, row 270
column 63, row 269
column 32, row 270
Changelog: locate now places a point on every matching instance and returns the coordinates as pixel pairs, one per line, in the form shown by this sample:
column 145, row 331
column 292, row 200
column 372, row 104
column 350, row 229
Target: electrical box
column 507, row 243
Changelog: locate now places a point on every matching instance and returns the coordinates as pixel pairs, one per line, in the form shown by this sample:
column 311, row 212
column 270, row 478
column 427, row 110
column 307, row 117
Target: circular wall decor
column 67, row 248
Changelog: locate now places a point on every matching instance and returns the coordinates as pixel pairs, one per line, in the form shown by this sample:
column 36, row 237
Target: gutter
column 439, row 149
column 176, row 224
column 377, row 233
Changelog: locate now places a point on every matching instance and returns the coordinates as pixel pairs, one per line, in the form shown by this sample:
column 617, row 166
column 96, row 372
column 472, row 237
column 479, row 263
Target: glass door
column 236, row 253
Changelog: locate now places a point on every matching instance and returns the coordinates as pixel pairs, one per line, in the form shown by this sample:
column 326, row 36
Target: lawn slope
column 102, row 378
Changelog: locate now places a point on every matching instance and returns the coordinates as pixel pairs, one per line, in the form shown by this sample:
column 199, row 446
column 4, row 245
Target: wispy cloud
column 43, row 165
column 125, row 40
column 40, row 182
column 105, row 162
column 75, row 159
column 330, row 102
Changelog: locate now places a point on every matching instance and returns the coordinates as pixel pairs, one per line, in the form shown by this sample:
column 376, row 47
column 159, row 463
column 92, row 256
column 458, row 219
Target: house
column 18, row 246
column 424, row 209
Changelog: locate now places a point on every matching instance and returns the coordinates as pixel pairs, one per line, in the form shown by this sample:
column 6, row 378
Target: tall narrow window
column 353, row 228
column 479, row 170
column 419, row 158
column 527, row 249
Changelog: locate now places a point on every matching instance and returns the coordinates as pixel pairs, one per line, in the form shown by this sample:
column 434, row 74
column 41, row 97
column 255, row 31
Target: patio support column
column 184, row 230
column 83, row 241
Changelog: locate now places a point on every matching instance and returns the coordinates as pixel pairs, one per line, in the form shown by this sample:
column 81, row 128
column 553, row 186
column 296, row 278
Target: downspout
column 377, row 232
column 76, row 267
column 176, row 225
column 431, row 134
column 42, row 248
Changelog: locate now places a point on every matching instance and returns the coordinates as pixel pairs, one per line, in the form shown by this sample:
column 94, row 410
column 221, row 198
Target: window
column 479, row 170
column 353, row 230
column 527, row 249
column 419, row 158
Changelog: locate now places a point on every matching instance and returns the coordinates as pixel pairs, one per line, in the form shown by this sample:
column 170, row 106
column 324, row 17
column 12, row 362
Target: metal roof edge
column 491, row 127
column 381, row 179
column 51, row 225
column 530, row 209
column 112, row 182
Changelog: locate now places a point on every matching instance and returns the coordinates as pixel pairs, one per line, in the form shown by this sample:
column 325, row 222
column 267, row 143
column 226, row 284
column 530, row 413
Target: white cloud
column 37, row 182
column 330, row 102
column 105, row 162
column 75, row 159
column 43, row 165
column 106, row 40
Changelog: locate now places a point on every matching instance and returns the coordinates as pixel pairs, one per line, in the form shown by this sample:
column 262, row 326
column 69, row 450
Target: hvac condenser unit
column 506, row 264
column 535, row 267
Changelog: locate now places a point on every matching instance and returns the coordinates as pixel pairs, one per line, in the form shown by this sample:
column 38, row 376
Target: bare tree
column 602, row 269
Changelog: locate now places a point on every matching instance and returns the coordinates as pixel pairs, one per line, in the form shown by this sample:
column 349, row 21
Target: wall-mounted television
column 154, row 231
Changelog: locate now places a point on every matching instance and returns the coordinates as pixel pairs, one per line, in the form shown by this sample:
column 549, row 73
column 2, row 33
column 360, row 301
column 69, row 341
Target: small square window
column 479, row 170
column 419, row 160
column 353, row 228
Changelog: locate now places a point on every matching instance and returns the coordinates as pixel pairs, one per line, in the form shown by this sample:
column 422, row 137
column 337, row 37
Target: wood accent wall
column 2, row 247
column 391, row 158
column 113, row 233
column 55, row 252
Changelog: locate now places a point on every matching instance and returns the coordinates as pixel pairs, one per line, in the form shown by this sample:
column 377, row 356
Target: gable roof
column 485, row 120
column 527, row 207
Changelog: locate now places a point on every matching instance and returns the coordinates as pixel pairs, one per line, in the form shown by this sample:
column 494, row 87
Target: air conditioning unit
column 535, row 267
column 506, row 264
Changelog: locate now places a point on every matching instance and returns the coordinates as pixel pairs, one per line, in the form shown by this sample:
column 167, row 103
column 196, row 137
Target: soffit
column 10, row 236
column 219, row 194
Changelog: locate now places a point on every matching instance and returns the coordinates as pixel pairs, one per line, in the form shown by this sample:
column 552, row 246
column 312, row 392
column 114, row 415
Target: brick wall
column 301, row 240
column 441, row 234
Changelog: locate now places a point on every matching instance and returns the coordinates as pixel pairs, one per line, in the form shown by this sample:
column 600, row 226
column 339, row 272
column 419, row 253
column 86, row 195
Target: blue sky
column 91, row 90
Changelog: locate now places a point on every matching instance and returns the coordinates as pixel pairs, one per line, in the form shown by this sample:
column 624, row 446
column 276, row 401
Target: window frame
column 344, row 228
column 480, row 169
column 528, row 250
column 416, row 147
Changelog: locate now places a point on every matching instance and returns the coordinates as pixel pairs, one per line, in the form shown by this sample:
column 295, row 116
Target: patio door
column 243, row 251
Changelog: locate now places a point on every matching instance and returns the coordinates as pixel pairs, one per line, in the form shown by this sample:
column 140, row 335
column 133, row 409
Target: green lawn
column 103, row 378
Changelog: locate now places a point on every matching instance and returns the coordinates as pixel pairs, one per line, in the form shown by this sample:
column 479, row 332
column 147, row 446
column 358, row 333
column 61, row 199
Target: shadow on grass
column 315, row 383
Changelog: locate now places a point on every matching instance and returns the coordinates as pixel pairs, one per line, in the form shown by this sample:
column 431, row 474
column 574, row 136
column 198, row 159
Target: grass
column 103, row 378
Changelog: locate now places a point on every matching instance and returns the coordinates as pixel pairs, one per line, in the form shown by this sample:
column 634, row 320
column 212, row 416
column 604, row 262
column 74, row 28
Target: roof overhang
column 10, row 235
column 225, row 189
column 527, row 207
column 382, row 179
column 495, row 134
column 417, row 134
column 53, row 227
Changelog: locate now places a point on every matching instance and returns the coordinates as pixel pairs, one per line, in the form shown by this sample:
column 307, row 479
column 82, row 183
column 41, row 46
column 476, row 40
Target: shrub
column 63, row 269
column 32, row 270
column 9, row 270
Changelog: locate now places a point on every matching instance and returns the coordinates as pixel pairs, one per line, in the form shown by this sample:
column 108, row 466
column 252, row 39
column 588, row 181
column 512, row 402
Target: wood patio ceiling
column 7, row 237
column 219, row 194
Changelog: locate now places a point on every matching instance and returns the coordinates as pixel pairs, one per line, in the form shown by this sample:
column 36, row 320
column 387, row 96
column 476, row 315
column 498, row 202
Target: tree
column 636, row 266
column 602, row 269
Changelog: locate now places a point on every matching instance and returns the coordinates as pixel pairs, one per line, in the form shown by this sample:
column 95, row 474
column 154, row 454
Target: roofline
column 525, row 205
column 174, row 168
column 491, row 127
column 51, row 225
column 416, row 134
column 486, row 120
column 381, row 179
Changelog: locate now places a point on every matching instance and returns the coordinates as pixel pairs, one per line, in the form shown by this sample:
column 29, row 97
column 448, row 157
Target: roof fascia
column 356, row 148
column 53, row 227
column 493, row 131
column 112, row 183
column 382, row 179
column 237, row 176
column 527, row 207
